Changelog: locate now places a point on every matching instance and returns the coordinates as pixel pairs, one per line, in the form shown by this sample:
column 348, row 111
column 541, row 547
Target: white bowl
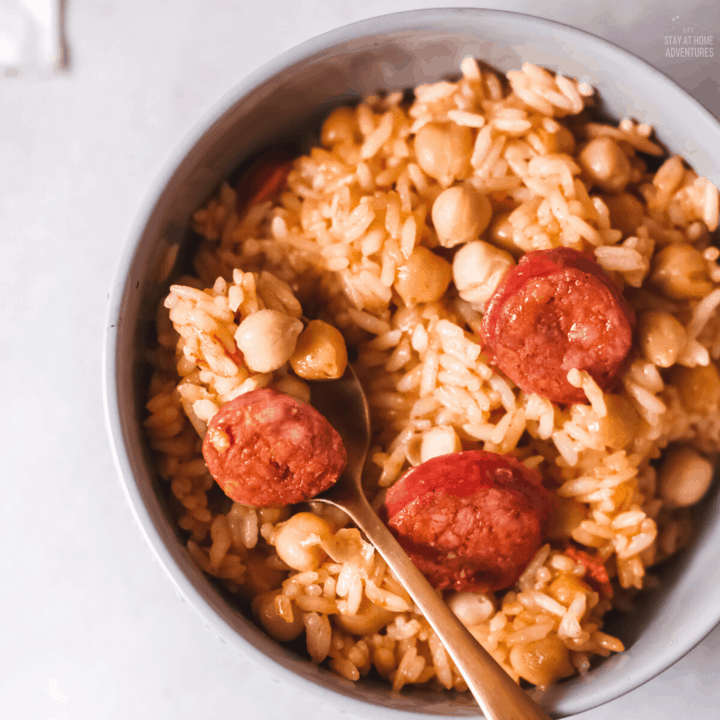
column 286, row 100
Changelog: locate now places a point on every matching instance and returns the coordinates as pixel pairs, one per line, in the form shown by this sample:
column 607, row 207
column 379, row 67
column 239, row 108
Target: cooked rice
column 348, row 218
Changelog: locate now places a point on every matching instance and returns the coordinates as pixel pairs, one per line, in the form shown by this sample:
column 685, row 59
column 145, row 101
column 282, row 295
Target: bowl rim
column 210, row 612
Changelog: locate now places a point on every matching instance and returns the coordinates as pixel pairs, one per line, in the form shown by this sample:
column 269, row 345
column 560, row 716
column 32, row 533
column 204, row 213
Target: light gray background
column 90, row 626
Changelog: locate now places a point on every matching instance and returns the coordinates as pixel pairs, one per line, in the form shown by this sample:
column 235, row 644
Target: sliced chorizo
column 470, row 521
column 266, row 449
column 555, row 311
column 265, row 178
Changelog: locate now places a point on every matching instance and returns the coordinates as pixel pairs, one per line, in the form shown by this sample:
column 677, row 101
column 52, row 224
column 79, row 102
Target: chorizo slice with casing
column 266, row 449
column 555, row 311
column 264, row 178
column 470, row 521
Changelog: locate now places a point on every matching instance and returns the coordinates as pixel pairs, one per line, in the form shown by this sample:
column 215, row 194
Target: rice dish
column 365, row 231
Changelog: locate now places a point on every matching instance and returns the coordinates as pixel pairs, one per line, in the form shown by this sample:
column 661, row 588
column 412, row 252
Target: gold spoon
column 344, row 405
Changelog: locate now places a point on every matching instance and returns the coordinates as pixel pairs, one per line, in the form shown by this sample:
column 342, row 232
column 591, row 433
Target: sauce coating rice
column 403, row 223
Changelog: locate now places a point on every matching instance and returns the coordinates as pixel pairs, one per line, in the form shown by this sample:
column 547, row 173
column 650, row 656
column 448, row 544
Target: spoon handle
column 498, row 696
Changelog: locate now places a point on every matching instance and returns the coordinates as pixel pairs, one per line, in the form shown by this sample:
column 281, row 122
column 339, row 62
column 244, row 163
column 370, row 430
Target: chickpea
column 437, row 441
column 443, row 151
column 478, row 268
column 626, row 212
column 423, row 278
column 564, row 141
column 470, row 608
column 293, row 386
column 460, row 214
column 684, row 477
column 320, row 353
column 267, row 339
column 294, row 545
column 662, row 338
column 259, row 576
column 273, row 515
column 542, row 662
column 564, row 588
column 680, row 272
column 265, row 610
column 699, row 388
column 606, row 165
column 339, row 127
column 481, row 632
column 618, row 428
column 567, row 515
column 335, row 516
column 369, row 619
column 502, row 235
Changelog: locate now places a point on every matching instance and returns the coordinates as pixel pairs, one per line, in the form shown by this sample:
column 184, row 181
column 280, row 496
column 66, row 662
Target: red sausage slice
column 555, row 311
column 266, row 449
column 264, row 178
column 471, row 520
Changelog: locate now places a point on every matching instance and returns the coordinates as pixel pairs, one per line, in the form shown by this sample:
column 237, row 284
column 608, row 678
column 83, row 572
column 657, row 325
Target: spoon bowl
column 344, row 405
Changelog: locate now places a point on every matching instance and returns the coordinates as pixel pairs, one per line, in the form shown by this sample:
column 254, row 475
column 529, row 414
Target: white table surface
column 90, row 627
